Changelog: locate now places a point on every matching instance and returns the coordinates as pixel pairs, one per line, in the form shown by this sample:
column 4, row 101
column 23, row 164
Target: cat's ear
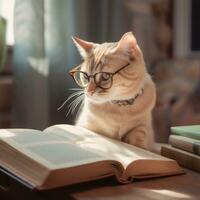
column 83, row 46
column 127, row 43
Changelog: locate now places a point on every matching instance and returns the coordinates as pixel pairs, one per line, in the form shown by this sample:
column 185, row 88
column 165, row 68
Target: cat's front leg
column 138, row 137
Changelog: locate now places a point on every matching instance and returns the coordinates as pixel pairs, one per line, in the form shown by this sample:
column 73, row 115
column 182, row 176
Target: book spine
column 186, row 160
column 184, row 143
column 184, row 133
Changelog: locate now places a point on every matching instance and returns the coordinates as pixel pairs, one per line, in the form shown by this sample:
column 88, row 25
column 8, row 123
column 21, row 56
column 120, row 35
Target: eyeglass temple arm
column 121, row 68
column 74, row 69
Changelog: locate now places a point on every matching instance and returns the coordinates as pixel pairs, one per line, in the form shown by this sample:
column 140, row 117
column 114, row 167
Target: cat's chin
column 96, row 100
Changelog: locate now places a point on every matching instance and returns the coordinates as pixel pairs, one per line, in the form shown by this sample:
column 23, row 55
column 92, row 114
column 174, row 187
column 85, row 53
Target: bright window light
column 7, row 11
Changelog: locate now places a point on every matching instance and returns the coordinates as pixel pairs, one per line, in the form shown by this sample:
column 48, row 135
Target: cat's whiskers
column 75, row 94
column 80, row 107
column 76, row 103
column 78, row 93
column 79, row 89
column 75, row 98
column 73, row 104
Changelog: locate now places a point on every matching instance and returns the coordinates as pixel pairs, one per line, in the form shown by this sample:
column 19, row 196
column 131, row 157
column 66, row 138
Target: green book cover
column 191, row 131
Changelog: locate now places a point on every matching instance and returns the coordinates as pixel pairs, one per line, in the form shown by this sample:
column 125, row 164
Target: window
column 195, row 26
column 7, row 11
column 186, row 28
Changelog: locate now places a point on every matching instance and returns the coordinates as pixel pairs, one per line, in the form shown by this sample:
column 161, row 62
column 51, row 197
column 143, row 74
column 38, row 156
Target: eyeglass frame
column 73, row 71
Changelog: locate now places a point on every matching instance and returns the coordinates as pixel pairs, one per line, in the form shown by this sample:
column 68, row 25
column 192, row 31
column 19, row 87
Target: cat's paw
column 137, row 139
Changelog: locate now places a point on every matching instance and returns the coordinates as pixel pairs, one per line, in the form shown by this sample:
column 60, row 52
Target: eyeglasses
column 103, row 80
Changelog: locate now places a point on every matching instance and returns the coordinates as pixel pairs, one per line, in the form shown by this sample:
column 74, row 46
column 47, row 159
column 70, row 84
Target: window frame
column 182, row 29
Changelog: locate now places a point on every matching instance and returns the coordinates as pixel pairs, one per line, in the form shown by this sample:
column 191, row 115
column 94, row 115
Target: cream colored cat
column 119, row 92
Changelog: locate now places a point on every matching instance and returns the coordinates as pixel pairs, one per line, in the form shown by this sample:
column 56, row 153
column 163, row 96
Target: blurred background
column 36, row 53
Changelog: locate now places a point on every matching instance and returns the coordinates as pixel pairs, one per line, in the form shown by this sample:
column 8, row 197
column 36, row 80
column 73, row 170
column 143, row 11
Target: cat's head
column 123, row 63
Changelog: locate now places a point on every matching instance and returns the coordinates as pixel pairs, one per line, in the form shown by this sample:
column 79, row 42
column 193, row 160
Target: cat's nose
column 91, row 88
column 90, row 93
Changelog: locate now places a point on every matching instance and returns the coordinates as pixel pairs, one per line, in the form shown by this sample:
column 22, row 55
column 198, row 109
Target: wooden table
column 181, row 187
column 185, row 186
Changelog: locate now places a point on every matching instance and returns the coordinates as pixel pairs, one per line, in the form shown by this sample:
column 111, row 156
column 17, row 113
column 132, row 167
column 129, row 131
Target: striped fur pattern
column 130, row 123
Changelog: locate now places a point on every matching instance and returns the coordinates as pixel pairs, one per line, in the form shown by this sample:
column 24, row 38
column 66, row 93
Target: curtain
column 44, row 52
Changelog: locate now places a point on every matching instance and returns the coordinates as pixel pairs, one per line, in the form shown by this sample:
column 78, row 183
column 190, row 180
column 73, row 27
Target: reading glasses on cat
column 102, row 80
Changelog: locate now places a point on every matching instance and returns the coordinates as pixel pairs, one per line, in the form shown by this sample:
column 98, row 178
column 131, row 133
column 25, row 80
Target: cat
column 117, row 104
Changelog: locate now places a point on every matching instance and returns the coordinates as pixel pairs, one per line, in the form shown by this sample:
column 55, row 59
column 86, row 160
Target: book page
column 110, row 148
column 52, row 150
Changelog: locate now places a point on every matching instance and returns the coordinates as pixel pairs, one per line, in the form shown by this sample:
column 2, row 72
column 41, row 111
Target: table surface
column 186, row 186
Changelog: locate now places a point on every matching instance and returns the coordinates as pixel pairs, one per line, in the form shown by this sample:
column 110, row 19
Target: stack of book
column 184, row 146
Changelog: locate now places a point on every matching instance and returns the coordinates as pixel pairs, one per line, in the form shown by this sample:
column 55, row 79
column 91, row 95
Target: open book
column 64, row 154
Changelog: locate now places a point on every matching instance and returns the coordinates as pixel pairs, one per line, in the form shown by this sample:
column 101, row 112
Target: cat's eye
column 103, row 79
column 102, row 76
column 105, row 76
